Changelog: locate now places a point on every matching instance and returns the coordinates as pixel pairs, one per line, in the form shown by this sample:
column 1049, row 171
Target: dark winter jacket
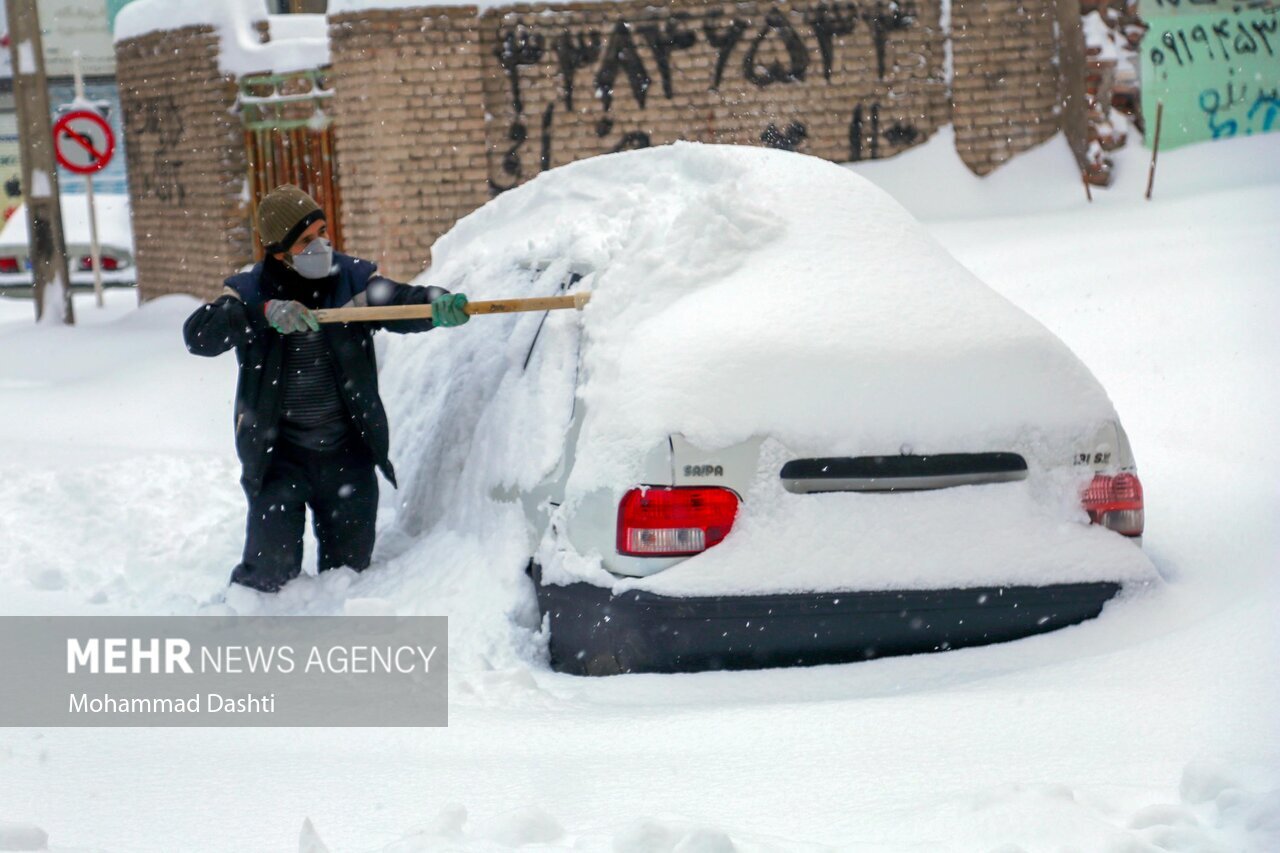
column 237, row 319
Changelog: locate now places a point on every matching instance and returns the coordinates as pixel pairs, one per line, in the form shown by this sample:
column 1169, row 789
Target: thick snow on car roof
column 742, row 291
column 738, row 292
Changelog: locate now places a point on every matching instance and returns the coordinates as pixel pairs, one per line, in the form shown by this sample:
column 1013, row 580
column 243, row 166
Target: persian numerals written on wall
column 1213, row 67
column 156, row 130
column 617, row 70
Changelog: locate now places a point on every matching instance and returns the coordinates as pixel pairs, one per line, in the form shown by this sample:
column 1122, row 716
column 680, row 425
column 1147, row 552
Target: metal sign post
column 84, row 143
column 95, row 250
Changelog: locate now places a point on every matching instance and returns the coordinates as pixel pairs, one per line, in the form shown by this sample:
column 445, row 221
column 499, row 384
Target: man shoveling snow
column 310, row 426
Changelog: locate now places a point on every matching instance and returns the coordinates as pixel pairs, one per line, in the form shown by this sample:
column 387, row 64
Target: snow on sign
column 83, row 142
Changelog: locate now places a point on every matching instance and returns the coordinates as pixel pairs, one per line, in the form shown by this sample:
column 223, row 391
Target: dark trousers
column 341, row 488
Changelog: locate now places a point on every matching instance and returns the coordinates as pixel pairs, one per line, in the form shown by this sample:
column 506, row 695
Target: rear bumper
column 594, row 632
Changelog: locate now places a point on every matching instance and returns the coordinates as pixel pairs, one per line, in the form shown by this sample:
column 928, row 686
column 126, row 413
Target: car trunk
column 902, row 521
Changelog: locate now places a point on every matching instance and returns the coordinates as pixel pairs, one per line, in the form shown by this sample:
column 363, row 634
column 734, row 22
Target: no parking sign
column 83, row 142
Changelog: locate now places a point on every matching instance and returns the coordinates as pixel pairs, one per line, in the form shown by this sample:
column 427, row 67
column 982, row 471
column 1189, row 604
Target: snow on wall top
column 1098, row 35
column 736, row 292
column 295, row 44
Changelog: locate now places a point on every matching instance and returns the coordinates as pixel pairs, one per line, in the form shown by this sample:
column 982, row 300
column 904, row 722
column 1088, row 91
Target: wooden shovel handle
column 417, row 312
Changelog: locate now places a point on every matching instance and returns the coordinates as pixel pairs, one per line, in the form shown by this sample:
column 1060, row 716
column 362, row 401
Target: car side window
column 572, row 279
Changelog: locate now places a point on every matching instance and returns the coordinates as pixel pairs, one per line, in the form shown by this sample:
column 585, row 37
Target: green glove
column 449, row 310
column 287, row 316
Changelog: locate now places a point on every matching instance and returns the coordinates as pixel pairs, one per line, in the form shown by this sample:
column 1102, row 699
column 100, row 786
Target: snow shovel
column 416, row 312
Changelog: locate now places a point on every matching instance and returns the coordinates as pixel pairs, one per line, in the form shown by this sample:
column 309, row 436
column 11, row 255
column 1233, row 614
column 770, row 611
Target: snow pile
column 1217, row 808
column 520, row 829
column 741, row 292
column 22, row 836
column 933, row 183
column 294, row 45
column 723, row 307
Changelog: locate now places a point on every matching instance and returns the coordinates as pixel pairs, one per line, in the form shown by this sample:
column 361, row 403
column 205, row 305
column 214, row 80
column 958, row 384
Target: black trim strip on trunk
column 889, row 467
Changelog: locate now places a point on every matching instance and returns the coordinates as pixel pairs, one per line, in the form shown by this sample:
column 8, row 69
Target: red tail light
column 9, row 264
column 667, row 521
column 1115, row 502
column 109, row 263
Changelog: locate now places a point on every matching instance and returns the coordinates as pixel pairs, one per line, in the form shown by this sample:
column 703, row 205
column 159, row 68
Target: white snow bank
column 114, row 225
column 933, row 183
column 453, row 829
column 309, row 840
column 22, row 836
column 1022, row 815
column 294, row 45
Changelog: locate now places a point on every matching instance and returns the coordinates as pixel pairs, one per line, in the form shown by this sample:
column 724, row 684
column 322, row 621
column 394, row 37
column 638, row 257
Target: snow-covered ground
column 1154, row 727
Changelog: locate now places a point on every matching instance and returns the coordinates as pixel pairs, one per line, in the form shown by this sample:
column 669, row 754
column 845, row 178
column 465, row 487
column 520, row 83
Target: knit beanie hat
column 283, row 214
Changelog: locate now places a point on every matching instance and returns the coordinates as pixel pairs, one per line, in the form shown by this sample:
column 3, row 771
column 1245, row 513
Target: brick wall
column 843, row 81
column 1006, row 91
column 409, row 129
column 437, row 109
column 186, row 162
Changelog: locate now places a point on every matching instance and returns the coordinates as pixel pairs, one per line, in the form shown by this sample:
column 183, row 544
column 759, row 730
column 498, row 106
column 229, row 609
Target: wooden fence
column 288, row 139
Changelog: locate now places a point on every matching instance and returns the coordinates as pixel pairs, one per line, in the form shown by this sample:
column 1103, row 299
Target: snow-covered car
column 788, row 428
column 115, row 239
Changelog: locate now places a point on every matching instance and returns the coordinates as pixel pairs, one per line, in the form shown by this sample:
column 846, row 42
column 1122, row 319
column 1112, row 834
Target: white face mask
column 315, row 261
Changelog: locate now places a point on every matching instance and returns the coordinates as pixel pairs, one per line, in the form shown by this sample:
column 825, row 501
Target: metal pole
column 1155, row 149
column 95, row 249
column 46, row 245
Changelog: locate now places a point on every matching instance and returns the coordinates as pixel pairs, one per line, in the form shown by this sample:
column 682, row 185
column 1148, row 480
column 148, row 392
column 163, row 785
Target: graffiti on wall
column 156, row 124
column 1215, row 70
column 635, row 60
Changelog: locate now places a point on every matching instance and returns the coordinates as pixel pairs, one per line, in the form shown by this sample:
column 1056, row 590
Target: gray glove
column 287, row 317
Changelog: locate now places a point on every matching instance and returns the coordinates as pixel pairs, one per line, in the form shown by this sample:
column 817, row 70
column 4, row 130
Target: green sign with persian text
column 1215, row 66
